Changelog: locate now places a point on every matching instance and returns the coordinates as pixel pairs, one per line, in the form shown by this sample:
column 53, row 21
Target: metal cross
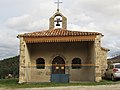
column 58, row 4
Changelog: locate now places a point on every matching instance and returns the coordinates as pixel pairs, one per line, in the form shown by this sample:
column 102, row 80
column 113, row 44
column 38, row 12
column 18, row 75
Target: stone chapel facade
column 61, row 55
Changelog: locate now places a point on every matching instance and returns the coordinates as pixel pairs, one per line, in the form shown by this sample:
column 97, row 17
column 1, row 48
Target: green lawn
column 12, row 83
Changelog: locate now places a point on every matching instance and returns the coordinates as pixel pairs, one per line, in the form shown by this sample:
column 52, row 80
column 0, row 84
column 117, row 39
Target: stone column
column 98, row 59
column 22, row 61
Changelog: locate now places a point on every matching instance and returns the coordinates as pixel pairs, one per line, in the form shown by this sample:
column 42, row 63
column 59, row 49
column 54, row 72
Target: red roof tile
column 58, row 33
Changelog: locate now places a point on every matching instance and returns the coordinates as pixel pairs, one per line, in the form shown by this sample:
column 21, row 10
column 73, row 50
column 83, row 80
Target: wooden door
column 58, row 66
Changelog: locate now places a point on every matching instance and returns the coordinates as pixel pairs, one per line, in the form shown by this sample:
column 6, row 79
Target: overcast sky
column 20, row 16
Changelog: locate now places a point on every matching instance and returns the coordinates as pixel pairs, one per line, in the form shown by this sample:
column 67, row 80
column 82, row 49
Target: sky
column 21, row 16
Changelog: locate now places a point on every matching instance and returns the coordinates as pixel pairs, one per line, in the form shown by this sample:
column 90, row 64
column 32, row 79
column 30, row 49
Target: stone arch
column 64, row 21
column 58, row 65
column 56, row 55
column 40, row 63
column 76, row 63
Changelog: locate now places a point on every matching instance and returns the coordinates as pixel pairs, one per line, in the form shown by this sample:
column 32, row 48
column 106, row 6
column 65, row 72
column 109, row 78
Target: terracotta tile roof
column 58, row 33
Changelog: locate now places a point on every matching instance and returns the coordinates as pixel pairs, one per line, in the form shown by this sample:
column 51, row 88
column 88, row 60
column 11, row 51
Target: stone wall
column 103, row 62
column 22, row 61
column 101, row 59
column 98, row 58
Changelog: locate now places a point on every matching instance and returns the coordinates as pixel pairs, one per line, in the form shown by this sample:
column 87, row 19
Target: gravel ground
column 100, row 87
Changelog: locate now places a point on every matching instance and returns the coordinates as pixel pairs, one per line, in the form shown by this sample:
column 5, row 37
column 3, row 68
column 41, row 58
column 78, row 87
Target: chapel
column 61, row 55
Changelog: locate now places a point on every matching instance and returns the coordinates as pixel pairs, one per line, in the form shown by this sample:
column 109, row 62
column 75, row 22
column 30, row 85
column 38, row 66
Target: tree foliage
column 9, row 66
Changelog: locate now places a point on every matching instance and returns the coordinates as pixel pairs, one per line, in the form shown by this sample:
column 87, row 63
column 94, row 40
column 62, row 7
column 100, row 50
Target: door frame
column 58, row 65
column 59, row 76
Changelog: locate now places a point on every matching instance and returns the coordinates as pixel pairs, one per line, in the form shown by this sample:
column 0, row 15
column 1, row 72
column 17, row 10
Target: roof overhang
column 58, row 39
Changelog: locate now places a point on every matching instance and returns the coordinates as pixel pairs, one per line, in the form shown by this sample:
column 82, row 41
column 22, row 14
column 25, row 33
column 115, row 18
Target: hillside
column 9, row 66
column 117, row 57
column 114, row 59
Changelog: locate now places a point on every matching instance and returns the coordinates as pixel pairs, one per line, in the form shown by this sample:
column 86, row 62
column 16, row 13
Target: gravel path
column 100, row 87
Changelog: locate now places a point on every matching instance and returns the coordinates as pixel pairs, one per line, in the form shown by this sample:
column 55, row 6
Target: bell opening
column 58, row 22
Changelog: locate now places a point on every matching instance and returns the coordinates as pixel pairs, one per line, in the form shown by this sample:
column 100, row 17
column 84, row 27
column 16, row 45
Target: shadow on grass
column 13, row 83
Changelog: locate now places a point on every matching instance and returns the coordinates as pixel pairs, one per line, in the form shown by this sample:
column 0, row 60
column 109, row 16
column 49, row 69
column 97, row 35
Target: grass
column 12, row 83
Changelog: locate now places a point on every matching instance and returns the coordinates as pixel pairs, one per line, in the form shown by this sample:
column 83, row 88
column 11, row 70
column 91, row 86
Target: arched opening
column 58, row 22
column 76, row 63
column 40, row 63
column 58, row 65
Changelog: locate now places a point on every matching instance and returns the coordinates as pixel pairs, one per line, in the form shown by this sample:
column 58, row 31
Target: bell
column 57, row 24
